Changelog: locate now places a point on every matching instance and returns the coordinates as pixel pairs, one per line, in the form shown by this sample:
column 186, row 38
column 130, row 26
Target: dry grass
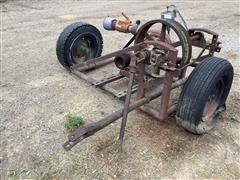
column 37, row 94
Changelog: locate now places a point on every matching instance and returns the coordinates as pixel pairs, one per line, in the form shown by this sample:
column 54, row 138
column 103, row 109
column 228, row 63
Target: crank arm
column 68, row 145
column 77, row 136
column 90, row 129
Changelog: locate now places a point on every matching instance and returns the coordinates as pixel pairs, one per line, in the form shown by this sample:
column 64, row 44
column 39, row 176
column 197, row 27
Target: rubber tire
column 199, row 86
column 69, row 34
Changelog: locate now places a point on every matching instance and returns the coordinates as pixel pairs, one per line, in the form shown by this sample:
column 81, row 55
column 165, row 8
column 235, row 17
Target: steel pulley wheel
column 78, row 43
column 155, row 36
column 170, row 32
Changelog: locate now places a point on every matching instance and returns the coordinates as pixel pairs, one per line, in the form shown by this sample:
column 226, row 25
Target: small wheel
column 204, row 95
column 77, row 43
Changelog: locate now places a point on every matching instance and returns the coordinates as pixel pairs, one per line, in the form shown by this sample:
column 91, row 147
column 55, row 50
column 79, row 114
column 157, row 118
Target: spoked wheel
column 78, row 43
column 170, row 32
column 155, row 36
column 204, row 95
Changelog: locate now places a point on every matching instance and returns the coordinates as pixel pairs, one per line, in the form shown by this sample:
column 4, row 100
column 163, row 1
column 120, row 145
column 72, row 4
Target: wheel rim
column 214, row 101
column 82, row 49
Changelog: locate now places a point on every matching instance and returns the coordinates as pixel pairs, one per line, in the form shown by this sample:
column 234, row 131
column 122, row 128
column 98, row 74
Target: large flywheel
column 170, row 32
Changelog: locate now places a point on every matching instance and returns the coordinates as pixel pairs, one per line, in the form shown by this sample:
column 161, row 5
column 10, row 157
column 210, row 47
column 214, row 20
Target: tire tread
column 196, row 90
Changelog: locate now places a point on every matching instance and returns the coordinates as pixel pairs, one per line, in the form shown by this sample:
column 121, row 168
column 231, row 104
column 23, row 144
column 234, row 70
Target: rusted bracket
column 94, row 62
column 201, row 41
column 122, row 94
column 108, row 80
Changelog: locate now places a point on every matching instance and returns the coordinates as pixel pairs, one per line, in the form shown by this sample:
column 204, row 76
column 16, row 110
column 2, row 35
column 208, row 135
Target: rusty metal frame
column 135, row 73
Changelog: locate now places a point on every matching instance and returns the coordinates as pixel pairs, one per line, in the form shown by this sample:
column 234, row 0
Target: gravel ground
column 37, row 93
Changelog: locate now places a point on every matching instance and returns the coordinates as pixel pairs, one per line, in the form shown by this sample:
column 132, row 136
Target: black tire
column 204, row 95
column 73, row 33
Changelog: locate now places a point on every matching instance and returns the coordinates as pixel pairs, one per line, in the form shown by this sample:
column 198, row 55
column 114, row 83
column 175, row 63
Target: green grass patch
column 102, row 112
column 73, row 122
column 235, row 118
column 98, row 174
column 15, row 174
column 44, row 176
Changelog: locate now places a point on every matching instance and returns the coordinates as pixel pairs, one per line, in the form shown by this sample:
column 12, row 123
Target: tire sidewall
column 91, row 32
column 195, row 93
column 210, row 90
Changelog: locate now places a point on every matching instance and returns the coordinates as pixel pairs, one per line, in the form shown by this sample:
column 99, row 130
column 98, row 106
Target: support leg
column 141, row 81
column 126, row 109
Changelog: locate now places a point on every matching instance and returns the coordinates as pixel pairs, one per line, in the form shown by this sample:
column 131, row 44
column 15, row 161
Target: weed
column 16, row 174
column 102, row 112
column 98, row 174
column 43, row 176
column 13, row 174
column 73, row 122
column 235, row 118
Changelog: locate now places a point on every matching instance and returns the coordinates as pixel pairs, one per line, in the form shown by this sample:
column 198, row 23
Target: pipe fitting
column 108, row 23
column 124, row 25
column 122, row 61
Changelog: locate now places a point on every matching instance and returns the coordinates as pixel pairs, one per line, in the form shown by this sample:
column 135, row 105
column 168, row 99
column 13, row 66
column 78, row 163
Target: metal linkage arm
column 88, row 130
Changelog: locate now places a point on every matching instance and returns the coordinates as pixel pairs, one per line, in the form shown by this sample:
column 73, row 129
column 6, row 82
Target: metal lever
column 126, row 105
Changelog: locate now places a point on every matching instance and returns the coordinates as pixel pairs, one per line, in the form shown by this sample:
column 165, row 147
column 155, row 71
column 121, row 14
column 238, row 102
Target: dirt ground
column 37, row 93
